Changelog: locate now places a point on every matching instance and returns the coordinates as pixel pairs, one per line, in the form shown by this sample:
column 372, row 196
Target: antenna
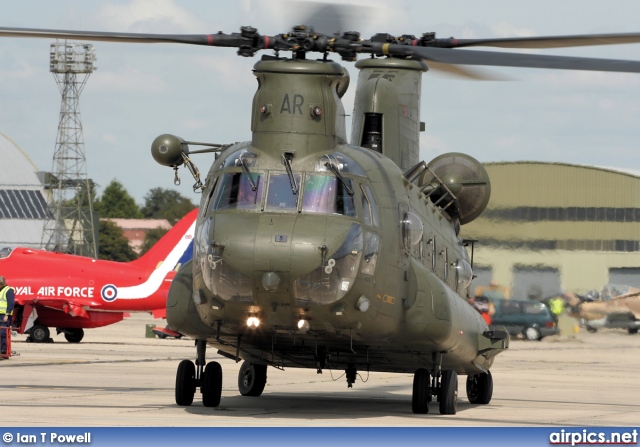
column 71, row 227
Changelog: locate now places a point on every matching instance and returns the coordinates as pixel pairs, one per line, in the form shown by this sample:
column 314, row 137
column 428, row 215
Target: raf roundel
column 109, row 292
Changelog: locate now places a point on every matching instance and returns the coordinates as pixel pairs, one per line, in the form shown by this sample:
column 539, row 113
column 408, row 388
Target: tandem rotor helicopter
column 316, row 251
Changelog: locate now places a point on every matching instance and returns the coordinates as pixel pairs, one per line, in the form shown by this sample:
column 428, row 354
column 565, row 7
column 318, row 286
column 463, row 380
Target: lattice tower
column 72, row 227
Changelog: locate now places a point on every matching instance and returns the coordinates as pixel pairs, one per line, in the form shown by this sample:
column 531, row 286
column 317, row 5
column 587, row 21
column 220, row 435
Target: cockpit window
column 236, row 191
column 280, row 194
column 207, row 202
column 326, row 194
column 4, row 252
column 369, row 206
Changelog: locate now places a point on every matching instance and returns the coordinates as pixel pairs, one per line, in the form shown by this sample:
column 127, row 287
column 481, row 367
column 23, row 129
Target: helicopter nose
column 253, row 262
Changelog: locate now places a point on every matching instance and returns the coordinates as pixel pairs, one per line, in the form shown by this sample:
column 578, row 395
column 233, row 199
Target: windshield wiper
column 245, row 169
column 286, row 160
column 331, row 167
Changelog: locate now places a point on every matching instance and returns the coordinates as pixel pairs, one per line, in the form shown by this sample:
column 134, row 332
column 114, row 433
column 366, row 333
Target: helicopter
column 315, row 252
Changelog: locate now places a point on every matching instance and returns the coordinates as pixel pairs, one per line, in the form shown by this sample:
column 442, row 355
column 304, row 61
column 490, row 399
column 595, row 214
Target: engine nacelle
column 462, row 176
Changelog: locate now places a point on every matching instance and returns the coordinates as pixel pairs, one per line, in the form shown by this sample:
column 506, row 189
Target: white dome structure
column 23, row 203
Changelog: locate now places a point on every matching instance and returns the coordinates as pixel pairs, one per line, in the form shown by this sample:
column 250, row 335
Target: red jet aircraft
column 73, row 293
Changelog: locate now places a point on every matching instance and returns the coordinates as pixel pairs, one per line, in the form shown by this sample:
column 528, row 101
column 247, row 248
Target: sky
column 204, row 94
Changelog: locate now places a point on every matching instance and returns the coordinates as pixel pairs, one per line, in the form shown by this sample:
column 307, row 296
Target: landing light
column 303, row 325
column 270, row 281
column 363, row 304
column 253, row 322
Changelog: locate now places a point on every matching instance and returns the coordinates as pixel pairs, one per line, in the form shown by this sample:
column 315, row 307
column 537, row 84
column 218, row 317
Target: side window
column 366, row 207
column 207, row 202
column 374, row 206
column 371, row 250
column 280, row 196
column 412, row 231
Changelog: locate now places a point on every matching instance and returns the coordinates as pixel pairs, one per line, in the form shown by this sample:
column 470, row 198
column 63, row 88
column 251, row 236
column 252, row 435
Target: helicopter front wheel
column 421, row 392
column 185, row 383
column 448, row 396
column 211, row 386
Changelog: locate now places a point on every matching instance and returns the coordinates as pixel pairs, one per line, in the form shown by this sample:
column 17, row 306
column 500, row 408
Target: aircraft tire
column 211, row 386
column 185, row 383
column 421, row 392
column 252, row 378
column 74, row 335
column 449, row 392
column 633, row 330
column 39, row 333
column 480, row 388
column 532, row 333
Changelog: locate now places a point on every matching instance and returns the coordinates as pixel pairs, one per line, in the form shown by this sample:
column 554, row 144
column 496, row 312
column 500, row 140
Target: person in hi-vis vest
column 7, row 300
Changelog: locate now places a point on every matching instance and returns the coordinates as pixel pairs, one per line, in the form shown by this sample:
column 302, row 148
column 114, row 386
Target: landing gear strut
column 190, row 376
column 351, row 373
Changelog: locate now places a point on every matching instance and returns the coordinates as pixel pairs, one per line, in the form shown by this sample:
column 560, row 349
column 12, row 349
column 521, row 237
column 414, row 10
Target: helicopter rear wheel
column 252, row 378
column 479, row 388
column 449, row 392
column 211, row 386
column 421, row 392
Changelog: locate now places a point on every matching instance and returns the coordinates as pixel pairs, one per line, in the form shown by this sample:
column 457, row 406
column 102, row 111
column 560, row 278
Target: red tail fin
column 180, row 237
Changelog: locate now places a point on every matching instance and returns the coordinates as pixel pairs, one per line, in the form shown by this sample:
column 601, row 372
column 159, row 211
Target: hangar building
column 551, row 227
column 23, row 204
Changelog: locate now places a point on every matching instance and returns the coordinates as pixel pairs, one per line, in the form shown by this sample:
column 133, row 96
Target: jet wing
column 73, row 308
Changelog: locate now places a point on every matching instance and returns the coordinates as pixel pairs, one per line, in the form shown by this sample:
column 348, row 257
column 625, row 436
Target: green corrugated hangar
column 551, row 227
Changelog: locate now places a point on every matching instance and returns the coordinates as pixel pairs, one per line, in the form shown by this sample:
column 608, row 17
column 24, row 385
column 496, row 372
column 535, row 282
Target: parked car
column 531, row 319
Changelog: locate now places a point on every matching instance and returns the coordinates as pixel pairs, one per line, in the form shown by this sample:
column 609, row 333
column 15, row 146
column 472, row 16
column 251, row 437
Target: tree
column 161, row 203
column 152, row 236
column 117, row 203
column 112, row 245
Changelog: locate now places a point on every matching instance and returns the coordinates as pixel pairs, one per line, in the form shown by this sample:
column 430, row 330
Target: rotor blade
column 542, row 42
column 466, row 73
column 222, row 40
column 325, row 18
column 497, row 59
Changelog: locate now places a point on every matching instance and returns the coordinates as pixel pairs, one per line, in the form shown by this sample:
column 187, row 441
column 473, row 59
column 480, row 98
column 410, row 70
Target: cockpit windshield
column 326, row 194
column 236, row 191
column 280, row 196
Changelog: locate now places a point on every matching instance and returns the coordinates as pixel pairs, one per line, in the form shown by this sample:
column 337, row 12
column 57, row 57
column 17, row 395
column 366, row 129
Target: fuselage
column 310, row 251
